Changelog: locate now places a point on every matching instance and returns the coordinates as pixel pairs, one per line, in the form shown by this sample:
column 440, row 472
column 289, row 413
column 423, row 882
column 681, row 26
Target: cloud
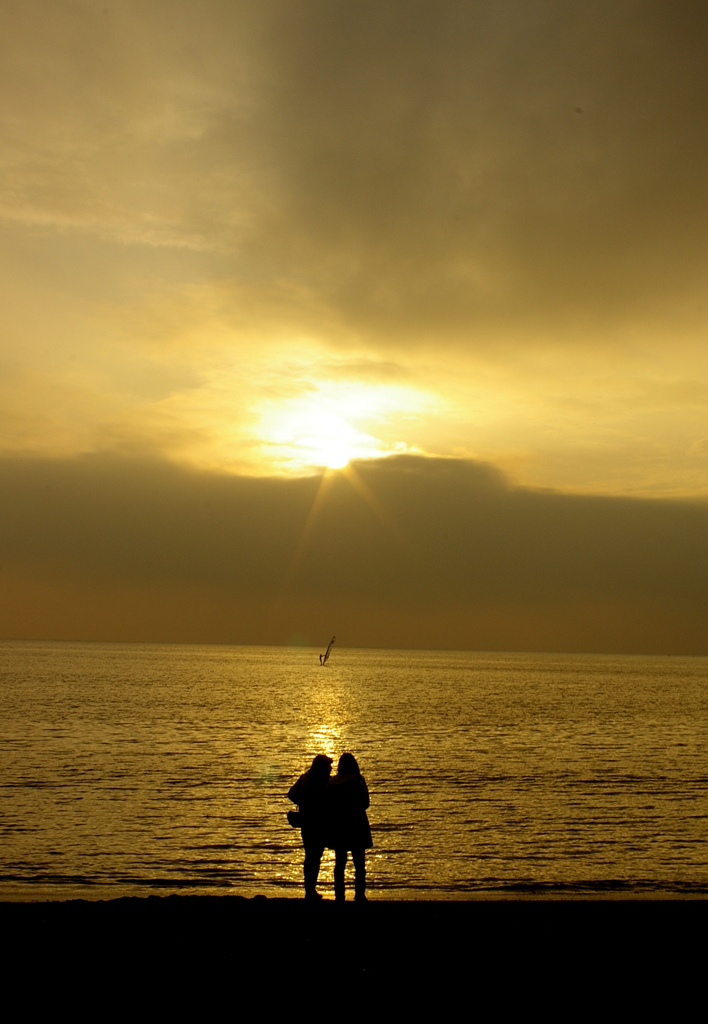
column 503, row 200
column 435, row 181
column 373, row 370
column 405, row 551
column 422, row 169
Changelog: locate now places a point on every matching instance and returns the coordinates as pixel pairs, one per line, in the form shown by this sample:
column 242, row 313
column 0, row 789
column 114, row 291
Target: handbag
column 294, row 819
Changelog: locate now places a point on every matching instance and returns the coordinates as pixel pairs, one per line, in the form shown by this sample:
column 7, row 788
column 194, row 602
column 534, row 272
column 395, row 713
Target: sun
column 333, row 454
column 323, row 437
column 326, row 426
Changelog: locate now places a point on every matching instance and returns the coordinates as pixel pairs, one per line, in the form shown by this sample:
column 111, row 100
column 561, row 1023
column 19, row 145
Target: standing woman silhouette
column 310, row 792
column 349, row 825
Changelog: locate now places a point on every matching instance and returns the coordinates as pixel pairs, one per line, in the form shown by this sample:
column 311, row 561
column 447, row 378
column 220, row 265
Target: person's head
column 321, row 765
column 347, row 765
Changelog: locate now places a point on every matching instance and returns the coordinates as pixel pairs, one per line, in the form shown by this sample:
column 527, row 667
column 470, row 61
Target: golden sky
column 258, row 238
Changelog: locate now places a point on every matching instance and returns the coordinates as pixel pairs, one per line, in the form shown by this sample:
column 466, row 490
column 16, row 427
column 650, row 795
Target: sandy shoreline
column 199, row 947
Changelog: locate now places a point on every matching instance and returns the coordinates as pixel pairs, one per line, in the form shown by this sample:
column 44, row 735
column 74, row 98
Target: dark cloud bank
column 441, row 553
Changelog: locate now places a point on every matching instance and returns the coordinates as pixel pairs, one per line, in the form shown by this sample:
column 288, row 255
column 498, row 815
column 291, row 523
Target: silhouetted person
column 311, row 796
column 349, row 825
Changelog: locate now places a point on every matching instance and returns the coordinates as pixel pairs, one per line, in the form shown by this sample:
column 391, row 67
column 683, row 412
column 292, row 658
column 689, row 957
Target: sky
column 388, row 318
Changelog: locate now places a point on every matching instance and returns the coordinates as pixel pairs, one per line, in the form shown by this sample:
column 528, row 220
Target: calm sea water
column 131, row 769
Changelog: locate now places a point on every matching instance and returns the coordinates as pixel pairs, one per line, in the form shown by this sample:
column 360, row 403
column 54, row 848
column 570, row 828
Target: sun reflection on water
column 325, row 739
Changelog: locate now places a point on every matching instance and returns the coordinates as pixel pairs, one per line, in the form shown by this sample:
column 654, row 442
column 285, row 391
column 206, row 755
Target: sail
column 327, row 652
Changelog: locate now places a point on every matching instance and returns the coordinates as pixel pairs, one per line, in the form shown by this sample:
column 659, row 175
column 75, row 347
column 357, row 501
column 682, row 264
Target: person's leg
column 313, row 859
column 340, row 863
column 359, row 858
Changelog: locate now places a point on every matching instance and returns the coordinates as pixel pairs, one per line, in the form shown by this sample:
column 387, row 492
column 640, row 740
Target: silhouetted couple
column 333, row 817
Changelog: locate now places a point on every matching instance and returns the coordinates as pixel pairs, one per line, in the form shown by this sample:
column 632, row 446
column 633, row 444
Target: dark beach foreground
column 182, row 952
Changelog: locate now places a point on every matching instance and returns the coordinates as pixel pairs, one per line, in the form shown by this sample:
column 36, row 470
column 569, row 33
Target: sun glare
column 334, row 423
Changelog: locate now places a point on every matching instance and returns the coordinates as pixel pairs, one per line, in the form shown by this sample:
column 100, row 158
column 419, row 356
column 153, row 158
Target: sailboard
column 325, row 656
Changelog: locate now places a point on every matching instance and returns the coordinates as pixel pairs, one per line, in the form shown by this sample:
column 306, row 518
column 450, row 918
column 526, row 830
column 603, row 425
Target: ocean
column 132, row 769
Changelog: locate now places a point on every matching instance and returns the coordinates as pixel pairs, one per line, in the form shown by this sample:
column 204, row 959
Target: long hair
column 347, row 765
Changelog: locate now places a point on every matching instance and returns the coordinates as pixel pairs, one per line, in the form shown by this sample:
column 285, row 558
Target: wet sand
column 221, row 953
